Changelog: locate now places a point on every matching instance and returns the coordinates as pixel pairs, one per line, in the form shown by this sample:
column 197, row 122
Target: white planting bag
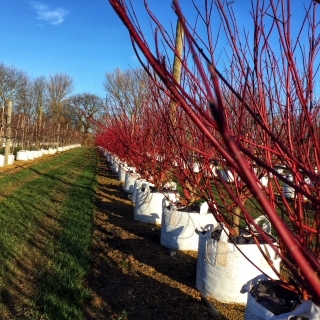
column 256, row 311
column 131, row 177
column 288, row 192
column 179, row 229
column 22, row 155
column 122, row 170
column 136, row 186
column 148, row 205
column 1, row 160
column 222, row 270
column 115, row 165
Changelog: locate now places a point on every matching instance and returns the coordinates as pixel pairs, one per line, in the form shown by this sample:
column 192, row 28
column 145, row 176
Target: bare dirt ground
column 133, row 276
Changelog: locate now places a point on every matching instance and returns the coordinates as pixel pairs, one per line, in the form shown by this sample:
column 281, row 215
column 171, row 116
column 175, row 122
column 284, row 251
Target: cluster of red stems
column 248, row 118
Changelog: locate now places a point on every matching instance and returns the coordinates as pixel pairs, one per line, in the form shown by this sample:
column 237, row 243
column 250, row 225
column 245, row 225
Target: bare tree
column 23, row 98
column 84, row 107
column 40, row 98
column 59, row 86
column 40, row 94
column 125, row 90
column 11, row 81
column 14, row 86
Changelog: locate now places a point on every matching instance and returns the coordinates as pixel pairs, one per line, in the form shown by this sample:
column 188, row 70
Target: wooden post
column 58, row 136
column 2, row 125
column 39, row 131
column 177, row 66
column 8, row 134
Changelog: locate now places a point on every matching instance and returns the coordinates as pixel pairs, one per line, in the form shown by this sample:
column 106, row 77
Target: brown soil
column 133, row 276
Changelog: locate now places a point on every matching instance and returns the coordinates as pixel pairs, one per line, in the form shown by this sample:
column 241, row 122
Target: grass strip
column 45, row 235
column 63, row 292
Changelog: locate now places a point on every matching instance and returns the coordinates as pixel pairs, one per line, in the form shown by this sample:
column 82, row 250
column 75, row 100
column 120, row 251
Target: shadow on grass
column 35, row 225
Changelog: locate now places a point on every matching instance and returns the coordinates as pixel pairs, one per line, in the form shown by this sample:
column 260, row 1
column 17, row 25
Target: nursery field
column 70, row 249
column 133, row 275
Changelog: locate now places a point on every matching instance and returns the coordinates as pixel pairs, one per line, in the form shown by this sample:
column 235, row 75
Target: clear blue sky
column 81, row 38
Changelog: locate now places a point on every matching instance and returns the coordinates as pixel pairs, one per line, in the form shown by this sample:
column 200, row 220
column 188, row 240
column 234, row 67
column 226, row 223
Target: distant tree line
column 46, row 102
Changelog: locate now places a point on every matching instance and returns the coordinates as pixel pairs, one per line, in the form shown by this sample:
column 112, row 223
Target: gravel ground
column 133, row 276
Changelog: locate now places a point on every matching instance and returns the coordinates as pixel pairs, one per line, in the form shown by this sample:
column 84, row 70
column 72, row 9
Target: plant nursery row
column 229, row 269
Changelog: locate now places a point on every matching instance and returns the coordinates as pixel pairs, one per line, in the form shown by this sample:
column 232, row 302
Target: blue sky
column 81, row 38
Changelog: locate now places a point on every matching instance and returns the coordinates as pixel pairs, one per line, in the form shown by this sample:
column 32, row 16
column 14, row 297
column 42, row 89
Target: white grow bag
column 130, row 178
column 211, row 171
column 11, row 159
column 1, row 160
column 30, row 155
column 171, row 197
column 179, row 230
column 22, row 155
column 122, row 170
column 108, row 156
column 222, row 270
column 226, row 175
column 148, row 205
column 136, row 186
column 288, row 192
column 115, row 165
column 255, row 311
column 35, row 154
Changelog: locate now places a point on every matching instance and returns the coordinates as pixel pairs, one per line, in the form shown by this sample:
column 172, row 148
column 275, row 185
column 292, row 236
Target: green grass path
column 46, row 216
